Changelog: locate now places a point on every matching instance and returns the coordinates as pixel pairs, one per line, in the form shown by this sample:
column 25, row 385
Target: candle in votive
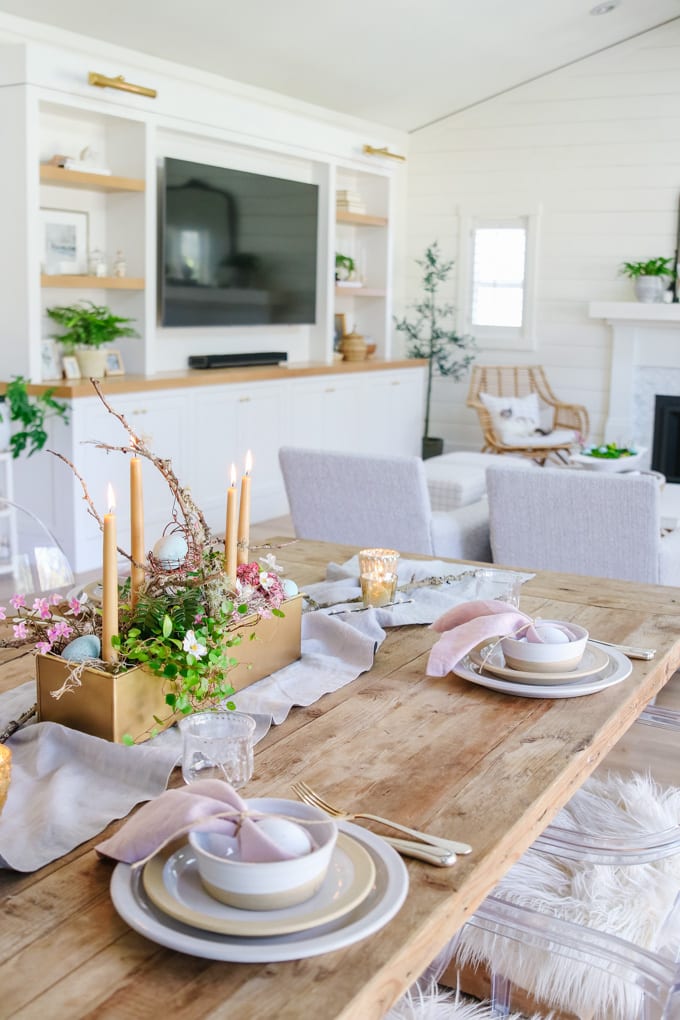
column 109, row 582
column 378, row 574
column 230, row 538
column 136, row 530
column 244, row 513
column 378, row 589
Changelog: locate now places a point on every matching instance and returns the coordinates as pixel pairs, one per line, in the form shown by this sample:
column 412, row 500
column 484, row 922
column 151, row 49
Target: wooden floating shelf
column 362, row 292
column 92, row 182
column 359, row 219
column 102, row 282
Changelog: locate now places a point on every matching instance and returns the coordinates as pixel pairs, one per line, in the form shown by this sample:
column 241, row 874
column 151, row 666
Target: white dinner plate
column 618, row 669
column 172, row 883
column 382, row 903
column 489, row 656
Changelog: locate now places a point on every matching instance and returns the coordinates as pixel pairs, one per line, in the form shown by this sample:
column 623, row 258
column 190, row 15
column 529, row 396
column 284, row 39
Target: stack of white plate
column 366, row 885
column 599, row 668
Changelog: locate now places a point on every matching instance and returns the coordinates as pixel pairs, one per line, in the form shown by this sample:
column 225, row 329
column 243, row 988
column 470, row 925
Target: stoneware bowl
column 266, row 885
column 535, row 657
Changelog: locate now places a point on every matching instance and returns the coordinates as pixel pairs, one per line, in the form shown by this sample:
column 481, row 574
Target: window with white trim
column 496, row 281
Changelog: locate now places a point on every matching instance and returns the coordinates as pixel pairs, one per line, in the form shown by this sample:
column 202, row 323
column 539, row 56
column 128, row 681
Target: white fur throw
column 633, row 902
column 431, row 1003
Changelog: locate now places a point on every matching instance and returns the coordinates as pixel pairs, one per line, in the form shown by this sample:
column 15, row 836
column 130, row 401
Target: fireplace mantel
column 635, row 311
column 645, row 359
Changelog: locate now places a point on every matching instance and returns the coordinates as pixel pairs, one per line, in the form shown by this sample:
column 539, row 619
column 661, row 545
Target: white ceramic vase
column 649, row 289
column 92, row 363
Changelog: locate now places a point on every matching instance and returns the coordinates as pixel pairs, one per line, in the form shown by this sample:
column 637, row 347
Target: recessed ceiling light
column 604, row 8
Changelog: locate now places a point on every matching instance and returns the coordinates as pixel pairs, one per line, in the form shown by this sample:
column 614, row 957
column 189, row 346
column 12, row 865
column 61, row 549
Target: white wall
column 598, row 145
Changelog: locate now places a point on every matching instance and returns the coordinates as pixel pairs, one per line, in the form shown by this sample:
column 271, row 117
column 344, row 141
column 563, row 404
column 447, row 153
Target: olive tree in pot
column 432, row 336
column 86, row 328
column 649, row 278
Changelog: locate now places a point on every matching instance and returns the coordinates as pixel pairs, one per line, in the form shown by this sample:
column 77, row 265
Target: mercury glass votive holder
column 378, row 575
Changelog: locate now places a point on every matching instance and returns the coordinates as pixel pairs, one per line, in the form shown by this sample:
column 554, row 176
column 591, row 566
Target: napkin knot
column 465, row 626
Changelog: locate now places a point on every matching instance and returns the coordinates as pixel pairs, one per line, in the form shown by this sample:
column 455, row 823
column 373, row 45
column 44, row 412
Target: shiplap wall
column 598, row 145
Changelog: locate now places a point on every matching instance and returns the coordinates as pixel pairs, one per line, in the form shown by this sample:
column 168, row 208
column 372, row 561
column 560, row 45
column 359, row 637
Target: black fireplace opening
column 666, row 443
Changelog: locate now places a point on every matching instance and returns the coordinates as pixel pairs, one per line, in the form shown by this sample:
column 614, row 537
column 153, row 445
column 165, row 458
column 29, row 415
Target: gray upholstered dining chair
column 377, row 501
column 581, row 522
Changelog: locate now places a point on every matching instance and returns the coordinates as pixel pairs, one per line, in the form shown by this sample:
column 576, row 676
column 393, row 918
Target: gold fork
column 308, row 795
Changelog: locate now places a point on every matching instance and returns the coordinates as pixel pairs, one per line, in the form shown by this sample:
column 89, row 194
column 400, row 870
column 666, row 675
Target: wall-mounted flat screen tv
column 235, row 248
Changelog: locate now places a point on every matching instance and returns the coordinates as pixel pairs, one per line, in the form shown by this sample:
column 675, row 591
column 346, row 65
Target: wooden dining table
column 442, row 755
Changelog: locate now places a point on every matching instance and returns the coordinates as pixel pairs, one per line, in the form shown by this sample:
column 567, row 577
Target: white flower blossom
column 192, row 645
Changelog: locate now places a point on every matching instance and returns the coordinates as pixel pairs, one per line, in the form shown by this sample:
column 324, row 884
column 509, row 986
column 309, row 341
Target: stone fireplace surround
column 645, row 361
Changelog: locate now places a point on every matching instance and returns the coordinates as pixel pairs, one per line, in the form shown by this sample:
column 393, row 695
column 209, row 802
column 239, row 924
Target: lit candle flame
column 110, row 498
column 249, row 462
column 232, row 476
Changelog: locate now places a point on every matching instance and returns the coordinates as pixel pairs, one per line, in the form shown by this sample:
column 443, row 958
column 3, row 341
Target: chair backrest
column 358, row 500
column 579, row 522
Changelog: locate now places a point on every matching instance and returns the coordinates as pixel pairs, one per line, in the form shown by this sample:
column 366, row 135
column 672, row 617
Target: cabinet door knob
column 140, row 410
column 330, row 389
column 244, row 400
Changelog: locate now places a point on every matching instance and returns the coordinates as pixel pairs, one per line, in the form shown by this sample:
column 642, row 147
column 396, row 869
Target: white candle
column 244, row 513
column 136, row 530
column 231, row 537
column 109, row 582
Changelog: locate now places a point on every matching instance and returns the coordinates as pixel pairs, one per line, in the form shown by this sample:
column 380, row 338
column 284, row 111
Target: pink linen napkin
column 176, row 811
column 464, row 626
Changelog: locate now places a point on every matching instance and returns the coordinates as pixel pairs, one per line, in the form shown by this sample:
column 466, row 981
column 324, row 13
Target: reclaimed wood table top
column 438, row 754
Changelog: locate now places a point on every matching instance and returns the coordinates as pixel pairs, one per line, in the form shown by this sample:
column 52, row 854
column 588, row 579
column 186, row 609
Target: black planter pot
column 432, row 447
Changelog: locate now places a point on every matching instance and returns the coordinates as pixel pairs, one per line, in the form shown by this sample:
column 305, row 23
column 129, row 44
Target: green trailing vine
column 32, row 412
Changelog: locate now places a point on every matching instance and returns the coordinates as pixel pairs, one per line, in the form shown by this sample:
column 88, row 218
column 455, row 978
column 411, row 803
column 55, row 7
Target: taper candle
column 109, row 582
column 244, row 513
column 231, row 537
column 136, row 530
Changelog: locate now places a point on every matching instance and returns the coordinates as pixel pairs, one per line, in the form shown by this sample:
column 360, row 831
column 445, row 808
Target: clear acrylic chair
column 31, row 558
column 599, row 888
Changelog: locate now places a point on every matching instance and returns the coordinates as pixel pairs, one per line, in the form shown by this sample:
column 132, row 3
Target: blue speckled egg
column 171, row 551
column 86, row 647
column 289, row 587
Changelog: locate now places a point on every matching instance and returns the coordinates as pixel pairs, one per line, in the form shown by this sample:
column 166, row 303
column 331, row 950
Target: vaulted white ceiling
column 402, row 63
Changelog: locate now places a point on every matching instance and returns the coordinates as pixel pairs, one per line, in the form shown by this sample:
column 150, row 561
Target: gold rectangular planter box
column 111, row 706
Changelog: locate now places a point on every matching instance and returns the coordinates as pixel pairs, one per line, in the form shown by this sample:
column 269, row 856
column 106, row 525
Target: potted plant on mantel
column 429, row 336
column 649, row 278
column 87, row 327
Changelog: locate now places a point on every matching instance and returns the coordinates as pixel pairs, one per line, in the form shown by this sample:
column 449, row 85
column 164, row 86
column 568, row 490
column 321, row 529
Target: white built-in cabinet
column 202, row 430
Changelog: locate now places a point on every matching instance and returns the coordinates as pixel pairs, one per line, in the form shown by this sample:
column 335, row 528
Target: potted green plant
column 31, row 413
column 431, row 336
column 86, row 328
column 345, row 267
column 649, row 278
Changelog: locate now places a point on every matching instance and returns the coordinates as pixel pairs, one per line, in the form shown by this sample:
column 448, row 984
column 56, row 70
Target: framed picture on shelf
column 70, row 366
column 64, row 246
column 114, row 363
column 49, row 360
column 339, row 328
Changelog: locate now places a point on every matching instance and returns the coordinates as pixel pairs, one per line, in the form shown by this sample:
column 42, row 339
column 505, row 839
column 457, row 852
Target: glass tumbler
column 502, row 585
column 217, row 745
column 378, row 575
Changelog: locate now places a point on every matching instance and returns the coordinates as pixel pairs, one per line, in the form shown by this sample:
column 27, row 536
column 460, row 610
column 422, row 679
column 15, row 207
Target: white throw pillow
column 513, row 417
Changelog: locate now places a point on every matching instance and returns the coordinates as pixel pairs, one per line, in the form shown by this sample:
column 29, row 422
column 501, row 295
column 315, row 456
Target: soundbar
column 237, row 360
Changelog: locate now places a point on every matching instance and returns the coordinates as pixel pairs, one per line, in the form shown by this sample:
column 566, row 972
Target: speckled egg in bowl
column 269, row 885
column 546, row 646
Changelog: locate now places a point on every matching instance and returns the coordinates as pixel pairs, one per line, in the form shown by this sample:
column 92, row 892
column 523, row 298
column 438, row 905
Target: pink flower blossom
column 60, row 629
column 198, row 618
column 3, row 613
column 249, row 574
column 43, row 647
column 42, row 607
column 18, row 601
column 75, row 605
column 55, row 599
column 20, row 631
